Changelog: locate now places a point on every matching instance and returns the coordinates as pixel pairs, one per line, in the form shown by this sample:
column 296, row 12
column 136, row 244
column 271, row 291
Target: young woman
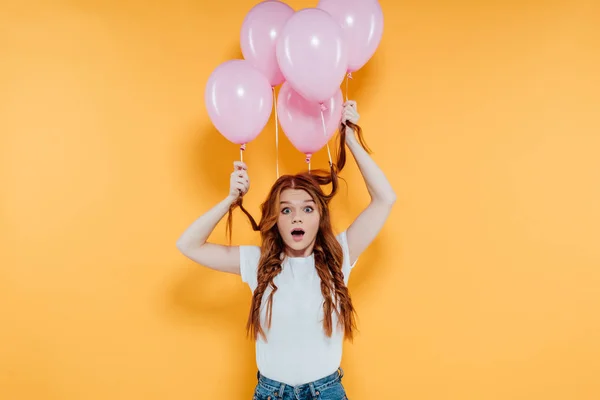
column 301, row 310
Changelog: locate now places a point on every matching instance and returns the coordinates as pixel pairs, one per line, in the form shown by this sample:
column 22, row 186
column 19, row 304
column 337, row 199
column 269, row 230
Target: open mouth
column 298, row 234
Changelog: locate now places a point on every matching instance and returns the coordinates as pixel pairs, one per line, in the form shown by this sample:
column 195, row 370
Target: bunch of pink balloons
column 309, row 51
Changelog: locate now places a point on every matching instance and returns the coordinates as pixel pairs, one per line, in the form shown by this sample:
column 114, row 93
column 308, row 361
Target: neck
column 300, row 253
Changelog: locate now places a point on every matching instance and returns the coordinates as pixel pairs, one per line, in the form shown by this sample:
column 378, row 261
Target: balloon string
column 325, row 134
column 242, row 148
column 347, row 77
column 276, row 134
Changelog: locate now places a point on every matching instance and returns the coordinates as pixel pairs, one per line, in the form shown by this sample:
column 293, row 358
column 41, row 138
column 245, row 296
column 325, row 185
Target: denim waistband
column 315, row 386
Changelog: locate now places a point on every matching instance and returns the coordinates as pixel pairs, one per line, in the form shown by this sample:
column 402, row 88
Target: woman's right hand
column 239, row 182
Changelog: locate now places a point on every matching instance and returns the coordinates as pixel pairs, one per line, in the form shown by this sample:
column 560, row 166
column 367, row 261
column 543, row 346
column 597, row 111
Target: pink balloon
column 301, row 120
column 260, row 31
column 362, row 23
column 312, row 54
column 239, row 100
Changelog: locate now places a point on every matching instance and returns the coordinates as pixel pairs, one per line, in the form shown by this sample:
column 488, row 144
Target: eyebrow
column 305, row 201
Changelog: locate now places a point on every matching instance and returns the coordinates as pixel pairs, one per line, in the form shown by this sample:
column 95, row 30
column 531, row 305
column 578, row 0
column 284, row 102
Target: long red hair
column 328, row 254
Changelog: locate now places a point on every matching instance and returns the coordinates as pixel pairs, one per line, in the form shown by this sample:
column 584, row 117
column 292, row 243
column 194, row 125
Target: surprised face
column 298, row 222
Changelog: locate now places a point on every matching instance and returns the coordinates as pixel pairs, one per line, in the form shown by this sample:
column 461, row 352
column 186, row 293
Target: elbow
column 392, row 197
column 389, row 198
column 386, row 200
column 186, row 248
column 182, row 246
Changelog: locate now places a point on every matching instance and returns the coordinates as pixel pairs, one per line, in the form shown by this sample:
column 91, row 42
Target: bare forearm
column 198, row 232
column 377, row 184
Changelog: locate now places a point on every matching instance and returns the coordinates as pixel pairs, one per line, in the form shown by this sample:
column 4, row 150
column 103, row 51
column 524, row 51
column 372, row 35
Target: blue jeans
column 328, row 388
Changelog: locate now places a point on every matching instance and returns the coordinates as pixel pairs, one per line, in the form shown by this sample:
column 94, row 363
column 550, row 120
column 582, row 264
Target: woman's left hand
column 350, row 113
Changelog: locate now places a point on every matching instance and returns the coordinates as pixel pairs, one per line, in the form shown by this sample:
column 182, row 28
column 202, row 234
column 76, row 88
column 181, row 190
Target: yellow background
column 485, row 283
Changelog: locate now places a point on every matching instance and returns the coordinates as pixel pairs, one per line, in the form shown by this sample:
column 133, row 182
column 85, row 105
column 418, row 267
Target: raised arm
column 367, row 225
column 193, row 242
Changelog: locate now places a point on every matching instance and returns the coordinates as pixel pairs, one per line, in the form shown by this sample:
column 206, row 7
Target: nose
column 296, row 218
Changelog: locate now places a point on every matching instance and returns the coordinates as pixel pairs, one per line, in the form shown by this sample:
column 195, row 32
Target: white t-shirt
column 297, row 350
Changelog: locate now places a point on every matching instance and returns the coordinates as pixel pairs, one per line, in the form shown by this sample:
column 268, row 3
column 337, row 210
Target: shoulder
column 342, row 239
column 248, row 253
column 249, row 258
column 346, row 266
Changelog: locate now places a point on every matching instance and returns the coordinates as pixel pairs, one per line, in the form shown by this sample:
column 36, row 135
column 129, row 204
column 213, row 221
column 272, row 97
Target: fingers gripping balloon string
column 323, row 108
column 276, row 134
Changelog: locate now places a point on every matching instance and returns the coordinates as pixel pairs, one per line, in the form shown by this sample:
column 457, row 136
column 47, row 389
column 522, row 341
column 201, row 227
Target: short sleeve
column 249, row 258
column 346, row 266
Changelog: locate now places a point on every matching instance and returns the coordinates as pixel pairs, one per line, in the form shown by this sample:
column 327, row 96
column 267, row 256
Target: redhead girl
column 301, row 309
